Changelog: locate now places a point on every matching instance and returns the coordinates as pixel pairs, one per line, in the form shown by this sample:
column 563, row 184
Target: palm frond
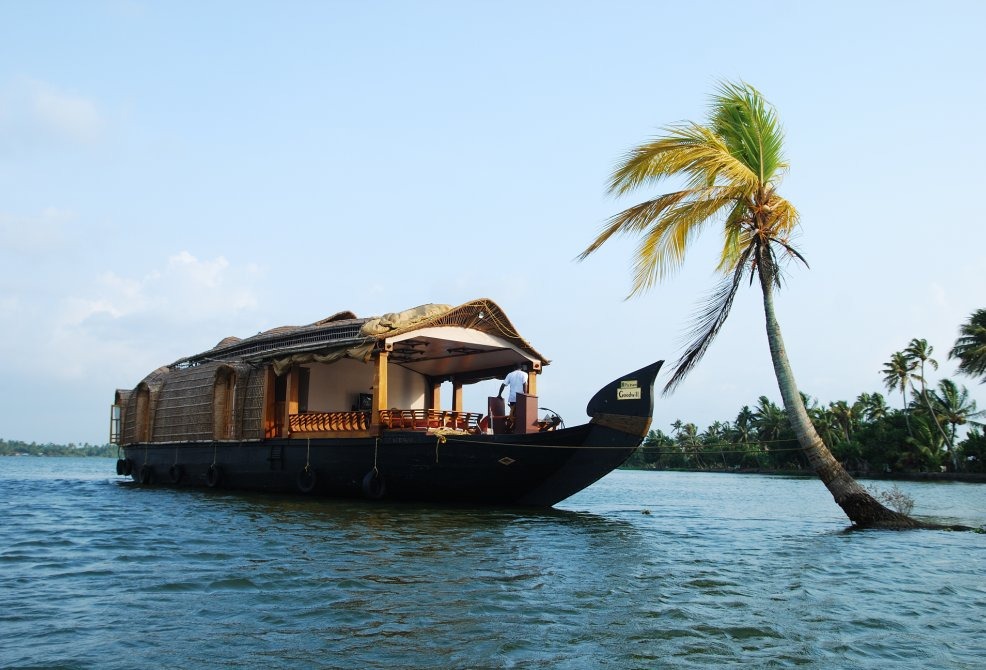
column 662, row 249
column 749, row 127
column 634, row 219
column 735, row 236
column 791, row 251
column 691, row 150
column 708, row 322
column 970, row 347
column 784, row 218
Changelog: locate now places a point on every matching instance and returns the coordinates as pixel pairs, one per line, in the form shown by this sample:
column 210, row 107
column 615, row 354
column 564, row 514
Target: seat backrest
column 497, row 406
column 498, row 415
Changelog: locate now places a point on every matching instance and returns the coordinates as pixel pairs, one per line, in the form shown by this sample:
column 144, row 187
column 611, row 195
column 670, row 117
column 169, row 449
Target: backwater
column 641, row 570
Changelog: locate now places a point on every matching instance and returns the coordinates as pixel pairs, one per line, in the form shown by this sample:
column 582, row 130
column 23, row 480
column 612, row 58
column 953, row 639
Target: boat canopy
column 474, row 341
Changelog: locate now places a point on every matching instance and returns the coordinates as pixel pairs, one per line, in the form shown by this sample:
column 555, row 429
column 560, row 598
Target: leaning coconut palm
column 970, row 348
column 731, row 167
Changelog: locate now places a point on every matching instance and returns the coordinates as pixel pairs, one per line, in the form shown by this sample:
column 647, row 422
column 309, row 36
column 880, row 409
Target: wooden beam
column 532, row 382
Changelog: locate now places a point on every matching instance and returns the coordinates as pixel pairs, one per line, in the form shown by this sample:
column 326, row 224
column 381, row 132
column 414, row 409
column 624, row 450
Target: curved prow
column 627, row 403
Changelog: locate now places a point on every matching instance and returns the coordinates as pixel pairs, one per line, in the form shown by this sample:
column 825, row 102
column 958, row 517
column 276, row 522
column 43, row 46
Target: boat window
column 115, row 415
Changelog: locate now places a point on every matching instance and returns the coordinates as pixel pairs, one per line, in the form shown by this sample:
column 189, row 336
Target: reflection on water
column 641, row 570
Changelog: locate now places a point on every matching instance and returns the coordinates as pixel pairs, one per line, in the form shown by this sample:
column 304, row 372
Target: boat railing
column 424, row 419
column 399, row 419
column 319, row 422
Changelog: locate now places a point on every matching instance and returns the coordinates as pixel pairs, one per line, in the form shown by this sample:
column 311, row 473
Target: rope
column 215, row 448
column 376, row 446
column 706, row 448
column 711, row 451
column 534, row 446
column 308, row 455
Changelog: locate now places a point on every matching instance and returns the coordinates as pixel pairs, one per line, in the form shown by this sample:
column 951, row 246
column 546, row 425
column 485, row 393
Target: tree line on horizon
column 18, row 448
column 867, row 435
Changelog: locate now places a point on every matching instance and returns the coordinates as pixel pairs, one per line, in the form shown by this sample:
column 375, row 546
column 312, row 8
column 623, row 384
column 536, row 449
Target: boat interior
column 413, row 381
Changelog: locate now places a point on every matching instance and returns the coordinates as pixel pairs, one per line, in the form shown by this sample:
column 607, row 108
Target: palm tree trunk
column 861, row 508
column 907, row 411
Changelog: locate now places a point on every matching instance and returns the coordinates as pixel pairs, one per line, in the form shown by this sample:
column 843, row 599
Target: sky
column 172, row 173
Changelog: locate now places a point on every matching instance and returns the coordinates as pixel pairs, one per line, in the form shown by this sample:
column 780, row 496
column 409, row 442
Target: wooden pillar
column 270, row 404
column 532, row 382
column 456, row 396
column 379, row 387
column 436, row 395
column 291, row 399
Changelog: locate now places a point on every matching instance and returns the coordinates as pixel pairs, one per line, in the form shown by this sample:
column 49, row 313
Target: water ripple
column 723, row 570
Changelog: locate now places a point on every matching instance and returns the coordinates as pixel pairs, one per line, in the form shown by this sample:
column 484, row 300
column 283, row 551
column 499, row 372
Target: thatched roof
column 344, row 334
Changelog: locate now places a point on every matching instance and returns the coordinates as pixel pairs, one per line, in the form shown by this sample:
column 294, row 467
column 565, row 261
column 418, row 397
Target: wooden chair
column 498, row 415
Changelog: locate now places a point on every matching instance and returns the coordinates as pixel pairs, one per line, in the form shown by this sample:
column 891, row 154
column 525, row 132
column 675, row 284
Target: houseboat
column 352, row 407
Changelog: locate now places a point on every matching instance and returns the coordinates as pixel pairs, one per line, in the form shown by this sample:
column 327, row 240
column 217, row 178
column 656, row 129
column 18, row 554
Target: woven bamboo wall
column 252, row 404
column 181, row 404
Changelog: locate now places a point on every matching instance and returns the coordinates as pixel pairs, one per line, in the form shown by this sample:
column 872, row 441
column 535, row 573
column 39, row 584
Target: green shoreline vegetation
column 869, row 438
column 17, row 448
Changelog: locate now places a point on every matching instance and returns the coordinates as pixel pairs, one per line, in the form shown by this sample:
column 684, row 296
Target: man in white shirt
column 516, row 382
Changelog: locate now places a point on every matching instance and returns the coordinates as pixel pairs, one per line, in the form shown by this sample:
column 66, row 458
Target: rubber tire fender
column 307, row 478
column 128, row 467
column 374, row 486
column 146, row 475
column 175, row 473
column 214, row 476
column 121, row 466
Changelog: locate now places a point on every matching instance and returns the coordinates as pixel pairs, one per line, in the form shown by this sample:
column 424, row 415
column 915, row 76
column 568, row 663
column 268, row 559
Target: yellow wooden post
column 532, row 382
column 291, row 401
column 436, row 396
column 271, row 422
column 379, row 388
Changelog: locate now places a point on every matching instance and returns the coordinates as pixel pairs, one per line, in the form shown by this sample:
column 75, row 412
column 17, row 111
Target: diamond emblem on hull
column 506, row 460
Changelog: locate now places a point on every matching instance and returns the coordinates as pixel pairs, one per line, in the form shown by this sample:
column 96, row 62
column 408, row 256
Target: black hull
column 539, row 469
column 536, row 469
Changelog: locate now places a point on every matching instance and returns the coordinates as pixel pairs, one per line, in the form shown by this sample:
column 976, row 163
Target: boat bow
column 627, row 403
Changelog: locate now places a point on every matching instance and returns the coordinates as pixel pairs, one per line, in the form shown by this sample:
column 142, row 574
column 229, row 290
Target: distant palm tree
column 919, row 352
column 845, row 418
column 715, row 435
column 686, row 435
column 970, row 347
column 742, row 425
column 956, row 408
column 872, row 406
column 769, row 420
column 897, row 375
column 926, row 447
column 731, row 167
